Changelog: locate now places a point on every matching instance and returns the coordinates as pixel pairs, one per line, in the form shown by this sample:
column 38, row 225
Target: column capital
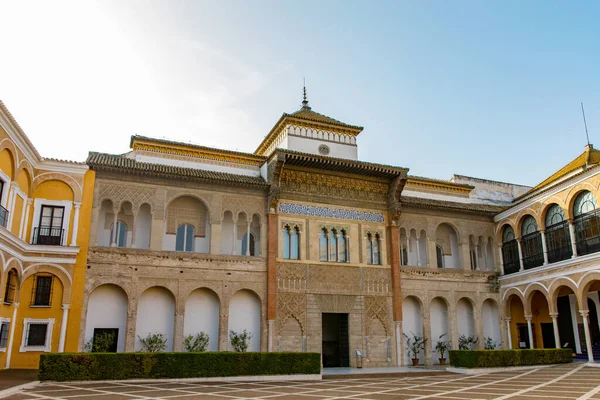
column 65, row 306
column 77, row 204
column 16, row 305
column 553, row 315
column 29, row 202
column 528, row 318
column 507, row 319
column 584, row 313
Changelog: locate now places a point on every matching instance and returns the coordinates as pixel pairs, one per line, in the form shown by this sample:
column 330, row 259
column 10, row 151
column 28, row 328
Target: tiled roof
column 441, row 181
column 125, row 164
column 308, row 114
column 473, row 208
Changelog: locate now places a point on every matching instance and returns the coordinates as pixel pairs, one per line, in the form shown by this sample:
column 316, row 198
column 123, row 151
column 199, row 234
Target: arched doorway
column 107, row 315
column 438, row 311
column 412, row 324
column 156, row 314
column 202, row 315
column 245, row 313
column 491, row 322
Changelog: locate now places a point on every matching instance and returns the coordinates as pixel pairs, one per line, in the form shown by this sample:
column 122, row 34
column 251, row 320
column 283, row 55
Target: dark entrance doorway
column 336, row 347
column 548, row 335
column 565, row 325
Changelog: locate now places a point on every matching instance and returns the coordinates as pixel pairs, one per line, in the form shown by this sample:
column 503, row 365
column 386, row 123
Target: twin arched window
column 510, row 251
column 184, row 239
column 291, row 242
column 586, row 223
column 121, row 238
column 374, row 248
column 333, row 245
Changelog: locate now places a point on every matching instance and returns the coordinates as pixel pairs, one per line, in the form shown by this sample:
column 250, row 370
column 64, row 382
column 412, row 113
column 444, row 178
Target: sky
column 490, row 89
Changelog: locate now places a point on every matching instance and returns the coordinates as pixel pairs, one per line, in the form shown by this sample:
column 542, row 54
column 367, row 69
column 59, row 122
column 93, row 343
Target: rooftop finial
column 305, row 99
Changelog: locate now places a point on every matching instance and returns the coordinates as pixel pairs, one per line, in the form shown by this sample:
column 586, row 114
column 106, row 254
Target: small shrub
column 494, row 282
column 467, row 342
column 240, row 341
column 100, row 343
column 196, row 344
column 442, row 346
column 154, row 343
column 508, row 358
column 414, row 344
column 490, row 344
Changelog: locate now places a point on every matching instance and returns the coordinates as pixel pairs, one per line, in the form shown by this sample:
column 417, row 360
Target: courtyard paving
column 572, row 381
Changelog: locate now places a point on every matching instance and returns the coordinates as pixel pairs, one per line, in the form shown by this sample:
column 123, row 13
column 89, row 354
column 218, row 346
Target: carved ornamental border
column 328, row 212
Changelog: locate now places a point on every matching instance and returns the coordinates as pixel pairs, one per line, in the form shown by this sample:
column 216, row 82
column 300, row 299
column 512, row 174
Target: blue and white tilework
column 327, row 212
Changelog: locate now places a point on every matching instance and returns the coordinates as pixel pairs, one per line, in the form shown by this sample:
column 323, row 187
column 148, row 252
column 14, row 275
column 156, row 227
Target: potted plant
column 442, row 347
column 414, row 345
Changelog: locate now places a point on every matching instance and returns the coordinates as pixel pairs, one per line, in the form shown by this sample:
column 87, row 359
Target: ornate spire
column 305, row 99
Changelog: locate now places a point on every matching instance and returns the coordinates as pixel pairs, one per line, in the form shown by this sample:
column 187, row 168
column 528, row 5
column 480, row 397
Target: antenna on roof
column 585, row 124
column 304, row 98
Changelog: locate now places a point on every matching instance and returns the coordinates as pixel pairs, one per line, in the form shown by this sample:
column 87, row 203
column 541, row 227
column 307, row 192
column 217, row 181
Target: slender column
column 77, row 205
column 270, row 328
column 371, row 250
column 113, row 239
column 393, row 234
column 133, row 229
column 572, row 234
column 63, row 328
column 554, row 317
column 501, row 258
column 178, row 330
column 529, row 330
column 272, row 266
column 588, row 337
column 234, row 236
column 477, row 266
column 26, row 224
column 418, row 252
column 248, row 239
column 544, row 247
column 520, row 254
column 24, row 209
column 398, row 325
column 13, row 324
column 11, row 202
column 428, row 352
column 509, row 336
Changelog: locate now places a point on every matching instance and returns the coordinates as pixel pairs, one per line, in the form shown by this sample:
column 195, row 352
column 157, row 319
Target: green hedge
column 508, row 358
column 111, row 366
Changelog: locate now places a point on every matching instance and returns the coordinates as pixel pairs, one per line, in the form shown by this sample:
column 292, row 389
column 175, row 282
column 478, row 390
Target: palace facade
column 299, row 243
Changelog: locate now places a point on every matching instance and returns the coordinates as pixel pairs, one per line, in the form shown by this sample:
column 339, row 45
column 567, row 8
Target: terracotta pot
column 415, row 362
column 442, row 361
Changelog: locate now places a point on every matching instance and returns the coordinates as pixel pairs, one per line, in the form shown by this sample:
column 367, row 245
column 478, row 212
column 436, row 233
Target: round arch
column 57, row 176
column 557, row 284
column 574, row 193
column 6, row 144
column 56, row 270
column 107, row 296
column 544, row 211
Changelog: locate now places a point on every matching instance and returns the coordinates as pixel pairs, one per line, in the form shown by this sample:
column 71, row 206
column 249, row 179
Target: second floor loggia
column 559, row 239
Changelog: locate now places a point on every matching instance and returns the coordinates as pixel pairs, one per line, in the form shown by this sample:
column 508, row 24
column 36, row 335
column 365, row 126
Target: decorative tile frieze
column 330, row 212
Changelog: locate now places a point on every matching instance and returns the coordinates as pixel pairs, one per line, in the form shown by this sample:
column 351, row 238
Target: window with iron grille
column 10, row 290
column 42, row 291
column 36, row 334
column 50, row 229
column 4, row 326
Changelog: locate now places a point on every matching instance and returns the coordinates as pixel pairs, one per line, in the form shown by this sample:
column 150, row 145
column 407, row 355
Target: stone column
column 478, row 327
column 23, row 210
column 215, row 237
column 529, row 330
column 418, row 251
column 235, row 221
column 130, row 326
column 26, row 224
column 63, row 328
column 501, row 259
column 272, row 266
column 224, row 328
column 521, row 268
column 398, row 326
column 427, row 335
column 248, row 239
column 465, row 256
column 178, row 331
column 263, row 239
column 157, row 232
column 508, row 334
column 453, row 324
column 113, row 238
column 477, row 266
column 572, row 235
column 588, row 337
column 77, row 205
column 11, row 338
column 11, row 203
column 431, row 250
column 544, row 247
column 393, row 232
column 554, row 317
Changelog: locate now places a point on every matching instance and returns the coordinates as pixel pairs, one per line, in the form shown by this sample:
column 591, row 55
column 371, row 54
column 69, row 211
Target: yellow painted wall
column 7, row 163
column 53, row 190
column 15, row 214
column 31, row 359
column 83, row 234
column 540, row 314
column 24, row 182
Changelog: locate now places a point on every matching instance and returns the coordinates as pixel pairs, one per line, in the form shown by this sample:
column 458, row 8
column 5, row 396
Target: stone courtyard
column 573, row 381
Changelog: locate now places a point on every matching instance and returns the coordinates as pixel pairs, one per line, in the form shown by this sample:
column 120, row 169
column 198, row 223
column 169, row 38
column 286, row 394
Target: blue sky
column 480, row 88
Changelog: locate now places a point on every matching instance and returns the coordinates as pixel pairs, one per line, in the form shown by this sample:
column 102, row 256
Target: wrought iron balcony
column 48, row 236
column 3, row 216
column 510, row 256
column 587, row 233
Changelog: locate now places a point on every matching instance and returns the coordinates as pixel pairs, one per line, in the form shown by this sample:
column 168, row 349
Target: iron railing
column 510, row 256
column 587, row 232
column 533, row 253
column 3, row 216
column 48, row 236
column 558, row 242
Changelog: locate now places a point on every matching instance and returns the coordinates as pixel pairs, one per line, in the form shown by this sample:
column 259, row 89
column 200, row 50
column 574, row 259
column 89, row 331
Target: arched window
column 404, row 254
column 10, row 292
column 558, row 238
column 121, row 239
column 342, row 247
column 184, row 240
column 333, row 248
column 439, row 252
column 531, row 244
column 286, row 242
column 586, row 223
column 323, row 245
column 291, row 243
column 473, row 260
column 374, row 248
column 245, row 244
column 510, row 251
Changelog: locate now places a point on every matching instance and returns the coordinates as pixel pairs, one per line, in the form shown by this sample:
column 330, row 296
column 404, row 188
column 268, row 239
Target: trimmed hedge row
column 112, row 366
column 508, row 358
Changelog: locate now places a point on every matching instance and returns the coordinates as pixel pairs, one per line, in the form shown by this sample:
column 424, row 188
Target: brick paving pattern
column 573, row 381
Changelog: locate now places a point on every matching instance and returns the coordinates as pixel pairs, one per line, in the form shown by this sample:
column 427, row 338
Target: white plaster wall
column 423, row 250
column 107, row 308
column 202, row 315
column 453, row 260
column 311, row 146
column 143, row 226
column 156, row 314
column 464, row 318
column 254, row 171
column 244, row 313
column 439, row 325
column 226, row 236
column 411, row 323
column 491, row 321
column 412, row 254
